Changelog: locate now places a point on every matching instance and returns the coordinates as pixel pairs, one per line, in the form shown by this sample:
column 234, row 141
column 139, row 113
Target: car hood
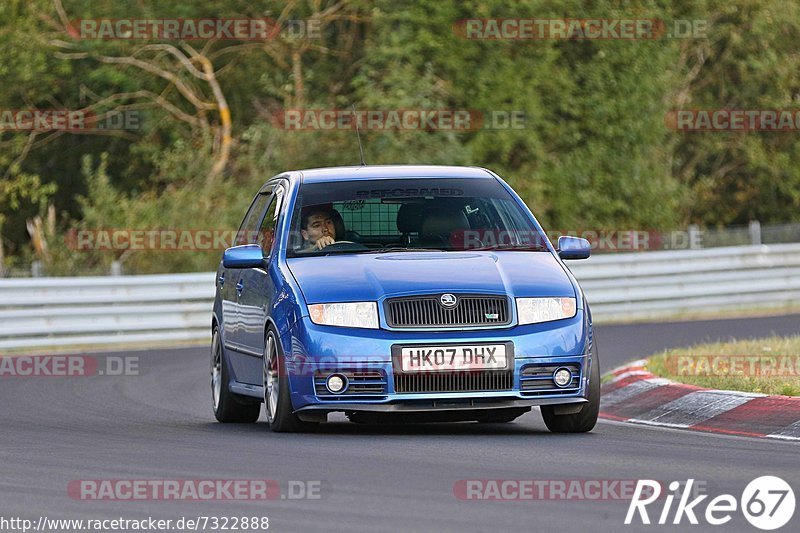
column 370, row 277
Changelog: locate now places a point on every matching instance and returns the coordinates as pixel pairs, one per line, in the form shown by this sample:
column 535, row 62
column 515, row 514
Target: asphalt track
column 158, row 425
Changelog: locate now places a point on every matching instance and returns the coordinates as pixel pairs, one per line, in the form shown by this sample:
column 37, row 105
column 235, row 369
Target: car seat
column 409, row 220
column 439, row 225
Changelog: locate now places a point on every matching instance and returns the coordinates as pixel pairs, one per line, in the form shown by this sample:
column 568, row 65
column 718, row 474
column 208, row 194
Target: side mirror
column 245, row 256
column 573, row 247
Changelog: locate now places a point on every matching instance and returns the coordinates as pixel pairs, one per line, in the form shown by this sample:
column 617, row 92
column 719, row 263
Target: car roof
column 367, row 172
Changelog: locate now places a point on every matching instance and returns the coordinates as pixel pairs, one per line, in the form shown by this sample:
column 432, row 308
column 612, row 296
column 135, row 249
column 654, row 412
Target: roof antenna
column 358, row 135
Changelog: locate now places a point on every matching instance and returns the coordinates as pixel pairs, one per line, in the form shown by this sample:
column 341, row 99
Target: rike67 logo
column 767, row 503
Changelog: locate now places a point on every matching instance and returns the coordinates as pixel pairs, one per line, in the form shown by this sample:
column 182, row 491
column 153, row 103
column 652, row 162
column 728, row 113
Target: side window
column 248, row 232
column 266, row 234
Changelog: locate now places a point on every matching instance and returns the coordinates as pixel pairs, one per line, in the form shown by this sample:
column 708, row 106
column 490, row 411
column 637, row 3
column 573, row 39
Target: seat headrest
column 440, row 223
column 409, row 218
column 338, row 224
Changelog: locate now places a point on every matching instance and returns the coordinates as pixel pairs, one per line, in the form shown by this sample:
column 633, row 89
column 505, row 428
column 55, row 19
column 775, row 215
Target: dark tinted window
column 266, row 234
column 248, row 231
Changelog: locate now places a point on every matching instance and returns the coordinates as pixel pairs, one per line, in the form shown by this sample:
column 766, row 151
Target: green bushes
column 592, row 149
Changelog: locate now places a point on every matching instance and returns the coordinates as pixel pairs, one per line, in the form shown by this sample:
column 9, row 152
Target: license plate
column 445, row 358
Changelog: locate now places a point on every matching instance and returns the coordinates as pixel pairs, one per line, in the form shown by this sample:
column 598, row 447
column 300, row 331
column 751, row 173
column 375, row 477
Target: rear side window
column 266, row 234
column 248, row 231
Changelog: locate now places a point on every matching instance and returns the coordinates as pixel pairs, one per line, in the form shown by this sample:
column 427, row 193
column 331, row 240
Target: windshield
column 377, row 216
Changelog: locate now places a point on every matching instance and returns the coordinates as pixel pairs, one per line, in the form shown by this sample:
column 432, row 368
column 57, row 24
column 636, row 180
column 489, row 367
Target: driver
column 317, row 228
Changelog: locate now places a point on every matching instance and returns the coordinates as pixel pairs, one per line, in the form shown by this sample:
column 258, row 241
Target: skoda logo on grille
column 448, row 300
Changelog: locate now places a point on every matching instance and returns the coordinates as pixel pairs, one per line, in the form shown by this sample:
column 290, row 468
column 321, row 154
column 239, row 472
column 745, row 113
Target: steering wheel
column 345, row 246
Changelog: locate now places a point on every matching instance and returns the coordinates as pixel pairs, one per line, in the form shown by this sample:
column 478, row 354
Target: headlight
column 534, row 310
column 351, row 315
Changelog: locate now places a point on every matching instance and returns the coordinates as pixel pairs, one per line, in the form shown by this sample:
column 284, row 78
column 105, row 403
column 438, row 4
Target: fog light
column 562, row 377
column 336, row 383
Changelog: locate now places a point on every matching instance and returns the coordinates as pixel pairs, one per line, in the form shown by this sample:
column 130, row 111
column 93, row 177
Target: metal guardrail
column 64, row 312
column 661, row 284
column 56, row 312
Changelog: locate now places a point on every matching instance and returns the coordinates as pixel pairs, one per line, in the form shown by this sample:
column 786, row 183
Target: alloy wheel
column 271, row 378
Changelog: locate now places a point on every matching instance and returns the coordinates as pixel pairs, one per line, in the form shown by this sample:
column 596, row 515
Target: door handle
column 221, row 280
column 239, row 287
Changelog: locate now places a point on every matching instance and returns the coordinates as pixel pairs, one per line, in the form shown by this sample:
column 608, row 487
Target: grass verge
column 767, row 366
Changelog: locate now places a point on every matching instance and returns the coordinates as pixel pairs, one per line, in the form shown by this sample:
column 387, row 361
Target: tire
column 584, row 420
column 278, row 403
column 228, row 407
column 502, row 416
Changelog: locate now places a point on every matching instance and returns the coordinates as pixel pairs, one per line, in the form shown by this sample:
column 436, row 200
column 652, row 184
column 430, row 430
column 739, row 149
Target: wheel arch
column 270, row 322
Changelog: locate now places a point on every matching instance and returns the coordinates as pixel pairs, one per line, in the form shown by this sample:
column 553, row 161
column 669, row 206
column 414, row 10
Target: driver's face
column 319, row 225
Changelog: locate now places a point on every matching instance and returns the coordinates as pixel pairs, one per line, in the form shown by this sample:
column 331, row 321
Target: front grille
column 360, row 383
column 427, row 311
column 453, row 382
column 537, row 380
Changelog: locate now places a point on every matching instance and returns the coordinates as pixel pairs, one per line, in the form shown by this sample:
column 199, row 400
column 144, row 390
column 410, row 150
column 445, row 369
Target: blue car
column 400, row 293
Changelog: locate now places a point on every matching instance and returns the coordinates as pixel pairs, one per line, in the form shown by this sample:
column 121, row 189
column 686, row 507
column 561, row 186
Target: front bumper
column 314, row 352
column 439, row 405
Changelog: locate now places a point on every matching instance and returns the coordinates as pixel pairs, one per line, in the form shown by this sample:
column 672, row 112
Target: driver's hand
column 323, row 242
